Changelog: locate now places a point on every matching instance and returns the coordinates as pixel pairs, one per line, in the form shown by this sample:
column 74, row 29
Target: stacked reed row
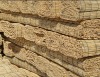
column 9, row 70
column 52, row 38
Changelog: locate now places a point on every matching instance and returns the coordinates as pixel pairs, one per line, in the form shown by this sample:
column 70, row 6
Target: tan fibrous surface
column 8, row 70
column 51, row 38
column 68, row 46
column 12, row 49
column 88, row 5
column 82, row 67
column 60, row 10
column 44, row 65
column 76, row 30
column 43, row 37
column 93, row 23
column 73, row 10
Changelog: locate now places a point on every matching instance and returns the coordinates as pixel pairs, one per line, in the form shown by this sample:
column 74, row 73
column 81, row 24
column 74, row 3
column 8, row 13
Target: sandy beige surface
column 76, row 30
column 46, row 66
column 73, row 10
column 13, row 50
column 59, row 10
column 43, row 37
column 50, row 38
column 9, row 70
column 68, row 46
column 83, row 67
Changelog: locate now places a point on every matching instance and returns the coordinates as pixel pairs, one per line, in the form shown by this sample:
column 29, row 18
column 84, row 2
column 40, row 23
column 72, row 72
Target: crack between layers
column 52, row 60
column 30, row 16
column 37, row 17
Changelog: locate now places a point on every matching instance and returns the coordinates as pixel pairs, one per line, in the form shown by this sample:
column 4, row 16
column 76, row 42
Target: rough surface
column 44, row 65
column 51, row 40
column 88, row 5
column 76, row 30
column 82, row 67
column 60, row 10
column 73, row 10
column 68, row 46
column 89, row 9
column 11, row 50
column 9, row 70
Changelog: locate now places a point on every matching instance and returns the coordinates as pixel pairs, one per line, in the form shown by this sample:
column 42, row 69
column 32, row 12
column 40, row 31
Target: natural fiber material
column 90, row 47
column 49, row 39
column 89, row 9
column 12, row 50
column 73, row 10
column 59, row 10
column 52, row 38
column 67, row 46
column 91, row 23
column 44, row 65
column 8, row 70
column 79, row 31
column 83, row 67
column 95, row 72
column 88, row 5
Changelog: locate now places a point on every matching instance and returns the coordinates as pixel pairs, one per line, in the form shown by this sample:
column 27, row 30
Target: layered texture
column 9, row 70
column 52, row 38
